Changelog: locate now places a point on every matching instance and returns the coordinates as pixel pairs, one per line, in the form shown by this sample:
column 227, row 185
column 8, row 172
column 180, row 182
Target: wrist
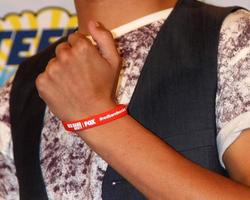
column 99, row 107
column 89, row 109
column 118, row 111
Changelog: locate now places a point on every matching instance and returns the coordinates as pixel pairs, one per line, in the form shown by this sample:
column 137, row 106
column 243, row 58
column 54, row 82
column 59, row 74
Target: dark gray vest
column 174, row 98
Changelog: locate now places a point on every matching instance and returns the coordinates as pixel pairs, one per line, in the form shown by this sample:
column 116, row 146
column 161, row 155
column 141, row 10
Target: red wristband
column 96, row 120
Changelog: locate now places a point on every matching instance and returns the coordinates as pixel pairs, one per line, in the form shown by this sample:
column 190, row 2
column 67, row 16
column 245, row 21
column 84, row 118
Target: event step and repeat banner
column 28, row 26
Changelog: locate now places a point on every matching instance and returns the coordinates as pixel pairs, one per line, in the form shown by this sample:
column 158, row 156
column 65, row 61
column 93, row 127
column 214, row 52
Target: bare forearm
column 236, row 158
column 155, row 168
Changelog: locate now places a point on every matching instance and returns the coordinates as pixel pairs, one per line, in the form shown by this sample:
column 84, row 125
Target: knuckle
column 51, row 61
column 79, row 42
column 52, row 69
column 59, row 47
column 82, row 45
column 71, row 35
column 62, row 53
column 41, row 81
column 63, row 56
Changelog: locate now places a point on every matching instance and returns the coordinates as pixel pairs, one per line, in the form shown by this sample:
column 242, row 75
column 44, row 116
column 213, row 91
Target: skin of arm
column 152, row 166
column 236, row 158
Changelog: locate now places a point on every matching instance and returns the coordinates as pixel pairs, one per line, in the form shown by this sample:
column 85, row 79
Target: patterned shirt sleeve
column 233, row 93
column 8, row 180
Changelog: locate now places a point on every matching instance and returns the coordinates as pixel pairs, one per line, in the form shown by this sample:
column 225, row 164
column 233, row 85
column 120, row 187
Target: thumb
column 105, row 43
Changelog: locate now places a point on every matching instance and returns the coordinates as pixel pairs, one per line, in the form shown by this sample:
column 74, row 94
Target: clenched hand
column 82, row 78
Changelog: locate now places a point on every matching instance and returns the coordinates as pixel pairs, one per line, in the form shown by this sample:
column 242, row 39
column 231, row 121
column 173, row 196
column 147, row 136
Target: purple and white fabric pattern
column 233, row 94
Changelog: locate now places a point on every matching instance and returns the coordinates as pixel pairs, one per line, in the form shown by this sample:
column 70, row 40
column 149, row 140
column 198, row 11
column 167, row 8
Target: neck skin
column 114, row 13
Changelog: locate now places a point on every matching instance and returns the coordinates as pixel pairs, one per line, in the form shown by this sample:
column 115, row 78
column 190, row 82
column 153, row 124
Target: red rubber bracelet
column 96, row 120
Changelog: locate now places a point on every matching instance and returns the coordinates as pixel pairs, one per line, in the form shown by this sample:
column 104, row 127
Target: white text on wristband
column 96, row 120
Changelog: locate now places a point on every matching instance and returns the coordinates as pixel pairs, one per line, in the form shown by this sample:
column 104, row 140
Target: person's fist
column 82, row 78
